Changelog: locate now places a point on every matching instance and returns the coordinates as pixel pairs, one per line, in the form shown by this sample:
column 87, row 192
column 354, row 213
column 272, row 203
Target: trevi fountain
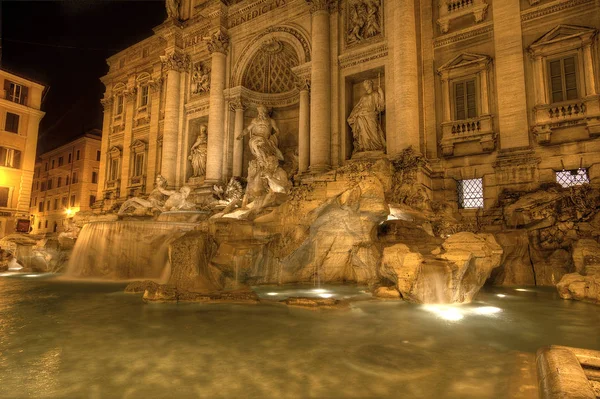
column 288, row 279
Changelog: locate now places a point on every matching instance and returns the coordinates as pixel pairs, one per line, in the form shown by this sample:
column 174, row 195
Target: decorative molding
column 175, row 61
column 130, row 93
column 237, row 104
column 269, row 100
column 218, row 42
column 551, row 8
column 107, row 103
column 253, row 11
column 155, row 84
column 322, row 5
column 453, row 9
column 199, row 106
column 368, row 54
column 464, row 34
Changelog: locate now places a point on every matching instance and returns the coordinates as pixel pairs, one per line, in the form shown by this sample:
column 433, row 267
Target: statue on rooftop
column 173, row 8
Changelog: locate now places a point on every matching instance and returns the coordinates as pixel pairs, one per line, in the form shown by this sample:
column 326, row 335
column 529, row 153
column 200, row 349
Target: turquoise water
column 84, row 340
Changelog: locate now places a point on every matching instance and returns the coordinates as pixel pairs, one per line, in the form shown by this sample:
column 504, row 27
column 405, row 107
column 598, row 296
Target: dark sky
column 64, row 44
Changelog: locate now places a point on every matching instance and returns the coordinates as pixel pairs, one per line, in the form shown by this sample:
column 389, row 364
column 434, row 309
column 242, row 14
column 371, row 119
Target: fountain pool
column 59, row 339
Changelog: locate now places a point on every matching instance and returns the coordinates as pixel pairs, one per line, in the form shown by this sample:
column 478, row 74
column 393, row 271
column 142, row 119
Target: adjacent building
column 20, row 116
column 495, row 94
column 65, row 182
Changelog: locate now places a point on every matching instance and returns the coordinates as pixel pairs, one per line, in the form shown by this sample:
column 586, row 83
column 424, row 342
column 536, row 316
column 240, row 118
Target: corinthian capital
column 237, row 104
column 218, row 42
column 107, row 103
column 322, row 5
column 155, row 84
column 175, row 61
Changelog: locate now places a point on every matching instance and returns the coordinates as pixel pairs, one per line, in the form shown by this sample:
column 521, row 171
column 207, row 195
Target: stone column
column 485, row 102
column 217, row 46
column 540, row 88
column 154, row 86
column 238, row 145
column 588, row 61
column 320, row 105
column 107, row 104
column 510, row 73
column 174, row 63
column 446, row 95
column 406, row 78
column 129, row 99
column 304, row 127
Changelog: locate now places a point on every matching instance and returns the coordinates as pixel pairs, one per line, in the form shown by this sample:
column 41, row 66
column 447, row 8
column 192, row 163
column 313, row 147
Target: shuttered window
column 4, row 196
column 465, row 100
column 563, row 79
column 12, row 123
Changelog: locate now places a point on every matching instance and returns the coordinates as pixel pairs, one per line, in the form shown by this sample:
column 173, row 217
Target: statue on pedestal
column 173, row 8
column 364, row 120
column 198, row 153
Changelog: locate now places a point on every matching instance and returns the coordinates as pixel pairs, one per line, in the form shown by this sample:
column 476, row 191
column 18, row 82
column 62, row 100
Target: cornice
column 465, row 34
column 379, row 50
column 550, row 8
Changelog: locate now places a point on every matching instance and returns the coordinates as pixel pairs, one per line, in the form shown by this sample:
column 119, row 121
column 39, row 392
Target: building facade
column 20, row 116
column 495, row 94
column 65, row 182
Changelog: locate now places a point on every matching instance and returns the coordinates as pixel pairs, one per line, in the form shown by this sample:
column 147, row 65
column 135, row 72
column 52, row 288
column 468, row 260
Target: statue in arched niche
column 364, row 120
column 264, row 135
column 198, row 153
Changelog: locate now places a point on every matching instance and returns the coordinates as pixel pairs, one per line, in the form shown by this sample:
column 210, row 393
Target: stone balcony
column 478, row 129
column 548, row 117
column 453, row 9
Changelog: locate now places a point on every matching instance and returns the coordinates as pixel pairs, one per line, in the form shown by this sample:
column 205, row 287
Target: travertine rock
column 138, row 287
column 455, row 275
column 515, row 267
column 586, row 256
column 582, row 288
column 189, row 257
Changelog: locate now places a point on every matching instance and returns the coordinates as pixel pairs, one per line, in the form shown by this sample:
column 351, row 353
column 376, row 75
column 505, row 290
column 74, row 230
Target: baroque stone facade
column 499, row 94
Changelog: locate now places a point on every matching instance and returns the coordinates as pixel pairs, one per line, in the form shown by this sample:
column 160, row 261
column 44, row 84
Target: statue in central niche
column 264, row 134
column 365, row 120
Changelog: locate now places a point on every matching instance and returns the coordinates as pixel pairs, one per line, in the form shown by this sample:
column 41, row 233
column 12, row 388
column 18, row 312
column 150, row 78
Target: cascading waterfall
column 124, row 250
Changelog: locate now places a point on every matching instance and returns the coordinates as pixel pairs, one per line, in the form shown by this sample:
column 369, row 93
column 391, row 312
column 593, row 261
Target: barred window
column 470, row 193
column 575, row 177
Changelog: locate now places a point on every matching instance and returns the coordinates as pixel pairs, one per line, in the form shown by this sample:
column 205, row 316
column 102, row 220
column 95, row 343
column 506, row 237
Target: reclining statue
column 159, row 200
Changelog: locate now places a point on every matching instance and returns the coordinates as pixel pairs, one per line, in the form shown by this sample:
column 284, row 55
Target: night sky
column 64, row 45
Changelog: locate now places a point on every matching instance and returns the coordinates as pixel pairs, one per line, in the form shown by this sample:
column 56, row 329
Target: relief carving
column 364, row 20
column 200, row 79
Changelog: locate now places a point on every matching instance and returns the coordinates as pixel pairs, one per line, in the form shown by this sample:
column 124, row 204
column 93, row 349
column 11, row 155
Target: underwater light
column 500, row 295
column 272, row 293
column 446, row 312
column 487, row 310
column 32, row 275
column 319, row 290
column 521, row 290
column 325, row 295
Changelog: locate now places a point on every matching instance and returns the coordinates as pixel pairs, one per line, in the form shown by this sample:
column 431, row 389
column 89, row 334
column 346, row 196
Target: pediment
column 463, row 60
column 115, row 151
column 138, row 144
column 564, row 32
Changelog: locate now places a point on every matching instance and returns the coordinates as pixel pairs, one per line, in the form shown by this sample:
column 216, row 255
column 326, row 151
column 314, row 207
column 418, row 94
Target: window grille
column 575, row 177
column 470, row 193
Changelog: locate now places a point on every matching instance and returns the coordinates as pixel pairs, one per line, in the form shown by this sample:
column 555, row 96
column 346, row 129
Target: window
column 74, row 179
column 97, row 155
column 139, row 164
column 55, row 203
column 10, row 158
column 40, row 224
column 69, row 161
column 4, row 191
column 46, row 167
column 15, row 92
column 465, row 103
column 37, row 185
column 63, row 202
column 58, row 182
column 119, row 104
column 67, row 181
column 61, row 161
column 43, row 186
column 12, row 123
column 52, row 164
column 575, row 177
column 47, row 206
column 41, row 207
column 470, row 193
column 143, row 96
column 94, row 177
column 46, row 224
column 72, row 200
column 563, row 79
column 77, row 155
column 49, row 184
column 92, row 199
column 114, row 169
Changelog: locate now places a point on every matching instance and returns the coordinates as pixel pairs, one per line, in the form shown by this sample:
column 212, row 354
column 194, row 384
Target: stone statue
column 173, row 8
column 364, row 120
column 159, row 200
column 201, row 79
column 263, row 133
column 198, row 153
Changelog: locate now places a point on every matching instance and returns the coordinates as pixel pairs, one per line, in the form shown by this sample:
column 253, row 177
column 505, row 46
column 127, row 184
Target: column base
column 312, row 169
